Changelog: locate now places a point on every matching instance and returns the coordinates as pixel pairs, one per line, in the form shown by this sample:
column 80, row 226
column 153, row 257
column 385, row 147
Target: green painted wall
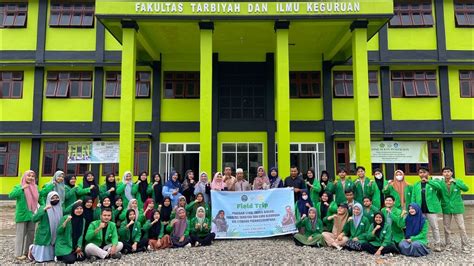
column 19, row 109
column 235, row 137
column 7, row 183
column 22, row 38
column 461, row 108
column 111, row 43
column 373, row 44
column 306, row 137
column 456, row 38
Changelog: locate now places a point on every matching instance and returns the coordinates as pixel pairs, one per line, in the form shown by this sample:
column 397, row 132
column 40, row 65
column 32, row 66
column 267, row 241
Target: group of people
column 381, row 216
column 70, row 222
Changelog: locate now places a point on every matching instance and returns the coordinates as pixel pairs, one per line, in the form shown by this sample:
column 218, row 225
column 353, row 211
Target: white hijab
column 128, row 187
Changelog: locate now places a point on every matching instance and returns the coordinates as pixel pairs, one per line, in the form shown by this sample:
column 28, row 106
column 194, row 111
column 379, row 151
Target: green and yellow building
column 202, row 85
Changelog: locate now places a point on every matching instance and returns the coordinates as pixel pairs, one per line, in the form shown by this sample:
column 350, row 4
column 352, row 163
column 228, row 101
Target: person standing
column 56, row 184
column 241, row 184
column 26, row 195
column 364, row 187
column 340, row 186
column 229, row 179
column 453, row 208
column 399, row 189
column 173, row 189
column 295, row 181
column 425, row 194
column 275, row 179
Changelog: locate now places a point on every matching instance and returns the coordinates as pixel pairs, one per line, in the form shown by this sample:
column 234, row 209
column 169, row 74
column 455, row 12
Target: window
column 11, row 84
column 343, row 85
column 69, row 84
column 67, row 14
column 113, row 85
column 179, row 157
column 142, row 155
column 248, row 156
column 412, row 13
column 343, row 159
column 108, row 168
column 466, row 83
column 55, row 158
column 414, row 84
column 179, row 84
column 434, row 161
column 469, row 157
column 13, row 15
column 306, row 155
column 464, row 13
column 9, row 154
column 305, row 84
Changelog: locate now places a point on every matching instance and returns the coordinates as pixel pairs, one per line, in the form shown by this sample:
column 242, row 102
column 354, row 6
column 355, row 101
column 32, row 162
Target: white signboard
column 394, row 151
column 93, row 152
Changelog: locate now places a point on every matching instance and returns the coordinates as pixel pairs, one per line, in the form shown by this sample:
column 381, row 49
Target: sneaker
column 188, row 245
column 448, row 247
column 116, row 256
column 437, row 248
column 150, row 248
column 197, row 244
column 22, row 257
column 55, row 259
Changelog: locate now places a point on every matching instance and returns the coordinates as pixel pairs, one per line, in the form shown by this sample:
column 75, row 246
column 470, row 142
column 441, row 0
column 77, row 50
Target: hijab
column 143, row 187
column 171, row 184
column 145, row 206
column 321, row 182
column 274, row 181
column 58, row 187
column 414, row 223
column 110, row 185
column 102, row 203
column 77, row 223
column 311, row 180
column 340, row 221
column 382, row 225
column 302, row 208
column 55, row 213
column 357, row 218
column 202, row 183
column 181, row 224
column 259, row 181
column 128, row 186
column 157, row 189
column 379, row 183
column 85, row 184
column 218, row 185
column 31, row 192
column 186, row 184
column 155, row 229
column 199, row 204
column 323, row 208
column 400, row 186
column 129, row 207
column 67, row 180
column 200, row 220
column 88, row 213
column 166, row 211
column 315, row 221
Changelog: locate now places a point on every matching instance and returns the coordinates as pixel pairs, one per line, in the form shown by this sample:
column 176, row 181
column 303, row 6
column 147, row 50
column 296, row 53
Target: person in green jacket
column 326, row 207
column 394, row 218
column 369, row 209
column 141, row 190
column 109, row 189
column 379, row 237
column 26, row 195
column 335, row 238
column 179, row 228
column 105, row 203
column 48, row 216
column 102, row 238
column 201, row 229
column 378, row 197
column 70, row 234
column 356, row 229
column 416, row 233
column 425, row 193
column 124, row 188
column 349, row 193
column 56, row 184
column 321, row 185
column 89, row 184
column 133, row 204
column 181, row 204
column 399, row 189
column 130, row 233
column 154, row 231
column 73, row 192
column 453, row 208
column 192, row 207
column 313, row 228
column 364, row 187
column 340, row 186
column 117, row 210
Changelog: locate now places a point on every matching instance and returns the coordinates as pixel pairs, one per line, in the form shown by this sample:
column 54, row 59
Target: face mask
column 54, row 202
column 305, row 197
column 399, row 177
column 378, row 176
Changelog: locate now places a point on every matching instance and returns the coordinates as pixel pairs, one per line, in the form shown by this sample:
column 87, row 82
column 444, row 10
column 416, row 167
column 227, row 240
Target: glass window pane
column 420, row 88
column 192, row 147
column 62, row 88
column 179, row 89
column 293, row 90
column 350, row 89
column 397, row 89
column 304, row 89
column 321, row 147
column 20, row 19
column 315, row 89
column 175, row 147
column 428, row 19
column 294, row 147
column 255, row 160
column 13, row 146
column 465, row 90
column 144, row 89
column 48, row 163
column 110, row 89
column 12, row 169
column 5, row 89
column 228, row 159
column 259, row 113
column 61, row 146
column 242, row 162
column 65, row 19
column 242, row 147
column 236, row 114
column 227, row 147
column 17, row 86
column 8, row 20
column 76, row 19
column 373, row 89
column 61, row 162
column 2, row 163
column 51, row 88
column 339, row 89
column 409, row 88
column 74, row 89
column 88, row 19
column 255, row 147
column 432, row 87
column 470, row 162
column 308, row 147
column 417, row 19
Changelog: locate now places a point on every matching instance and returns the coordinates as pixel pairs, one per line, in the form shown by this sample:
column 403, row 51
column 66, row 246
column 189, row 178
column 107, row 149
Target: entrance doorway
column 179, row 157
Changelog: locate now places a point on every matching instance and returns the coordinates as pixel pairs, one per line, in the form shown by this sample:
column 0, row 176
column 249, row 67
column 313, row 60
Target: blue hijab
column 415, row 222
column 270, row 177
column 302, row 208
column 171, row 184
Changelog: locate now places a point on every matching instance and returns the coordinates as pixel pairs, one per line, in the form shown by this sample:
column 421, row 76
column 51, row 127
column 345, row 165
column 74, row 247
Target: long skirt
column 302, row 240
column 177, row 244
column 353, row 245
column 42, row 253
column 202, row 240
column 373, row 249
column 413, row 249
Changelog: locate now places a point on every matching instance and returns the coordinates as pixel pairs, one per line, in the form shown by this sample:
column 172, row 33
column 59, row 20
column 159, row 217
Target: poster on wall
column 253, row 214
column 395, row 151
column 93, row 152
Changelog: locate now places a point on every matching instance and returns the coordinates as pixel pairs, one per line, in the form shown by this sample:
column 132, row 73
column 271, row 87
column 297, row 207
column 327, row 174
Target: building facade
column 189, row 85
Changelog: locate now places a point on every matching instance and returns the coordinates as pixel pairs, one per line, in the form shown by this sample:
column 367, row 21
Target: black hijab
column 85, row 184
column 110, row 185
column 323, row 208
column 68, row 179
column 166, row 211
column 102, row 203
column 321, row 182
column 157, row 189
column 143, row 186
column 379, row 183
column 382, row 225
column 115, row 208
column 155, row 229
column 77, row 223
column 128, row 220
column 310, row 180
column 88, row 213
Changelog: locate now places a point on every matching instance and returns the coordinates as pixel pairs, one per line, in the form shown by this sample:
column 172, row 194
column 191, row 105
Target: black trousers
column 71, row 258
column 373, row 249
column 141, row 246
column 203, row 241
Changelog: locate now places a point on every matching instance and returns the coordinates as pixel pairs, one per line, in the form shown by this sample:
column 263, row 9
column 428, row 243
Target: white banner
column 394, row 151
column 93, row 152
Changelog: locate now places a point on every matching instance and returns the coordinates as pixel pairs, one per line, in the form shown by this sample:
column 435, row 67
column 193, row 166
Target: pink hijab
column 218, row 185
column 31, row 192
column 259, row 181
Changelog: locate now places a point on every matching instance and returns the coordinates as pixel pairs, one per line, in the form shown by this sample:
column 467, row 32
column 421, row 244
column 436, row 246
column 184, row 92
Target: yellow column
column 205, row 103
column 361, row 95
column 282, row 95
column 127, row 98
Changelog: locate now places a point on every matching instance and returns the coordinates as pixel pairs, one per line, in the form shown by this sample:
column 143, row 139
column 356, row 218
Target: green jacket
column 308, row 228
column 63, row 245
column 83, row 191
column 169, row 228
column 370, row 213
column 191, row 209
column 103, row 192
column 43, row 233
column 141, row 217
column 124, row 232
column 72, row 194
column 339, row 190
column 136, row 194
column 111, row 234
column 316, row 189
column 397, row 223
column 360, row 232
column 48, row 187
column 389, row 190
column 376, row 193
column 22, row 213
column 200, row 232
column 422, row 237
column 365, row 190
column 432, row 200
column 384, row 239
column 327, row 224
column 451, row 201
column 146, row 228
column 120, row 191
